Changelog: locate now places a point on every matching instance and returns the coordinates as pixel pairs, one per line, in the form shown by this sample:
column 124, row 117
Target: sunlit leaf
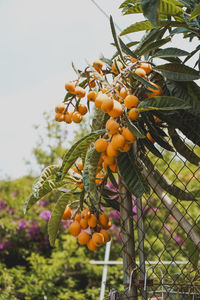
column 178, row 72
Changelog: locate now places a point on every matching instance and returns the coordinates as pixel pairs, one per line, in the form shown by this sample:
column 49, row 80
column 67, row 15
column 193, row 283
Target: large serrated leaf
column 139, row 26
column 131, row 174
column 151, row 9
column 182, row 148
column 163, row 103
column 76, row 151
column 171, row 8
column 178, row 72
column 170, row 52
column 45, row 175
column 127, row 2
column 47, row 187
column 56, row 216
column 133, row 9
column 195, row 13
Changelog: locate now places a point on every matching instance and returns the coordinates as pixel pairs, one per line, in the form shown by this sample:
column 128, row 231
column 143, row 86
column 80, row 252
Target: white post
column 104, row 275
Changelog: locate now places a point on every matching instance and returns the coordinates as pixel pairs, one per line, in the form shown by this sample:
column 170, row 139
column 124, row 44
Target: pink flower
column 45, row 215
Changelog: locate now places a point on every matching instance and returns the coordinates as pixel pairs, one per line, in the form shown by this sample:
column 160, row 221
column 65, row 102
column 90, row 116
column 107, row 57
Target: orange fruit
column 107, row 104
column 99, row 100
column 140, row 72
column 80, row 166
column 133, row 59
column 112, row 126
column 77, row 217
column 123, row 93
column 91, row 96
column 114, row 68
column 110, row 151
column 67, row 118
column 83, row 238
column 85, row 213
column 91, row 245
column 82, row 109
column 103, row 219
column 156, row 119
column 98, row 239
column 92, row 221
column 148, row 135
column 106, row 235
column 113, row 167
column 127, row 134
column 70, row 87
column 67, row 213
column 101, row 145
column 91, row 83
column 98, row 65
column 84, row 223
column 99, row 177
column 155, row 92
column 126, row 147
column 79, row 92
column 117, row 110
column 133, row 114
column 146, row 67
column 60, row 108
column 59, row 117
column 108, row 225
column 117, row 141
column 109, row 160
column 131, row 101
column 76, row 117
column 75, row 228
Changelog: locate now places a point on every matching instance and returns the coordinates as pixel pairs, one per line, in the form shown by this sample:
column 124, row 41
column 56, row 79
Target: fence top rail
column 120, row 262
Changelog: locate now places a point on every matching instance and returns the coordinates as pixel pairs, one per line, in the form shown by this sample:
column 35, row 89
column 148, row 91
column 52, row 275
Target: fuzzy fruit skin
column 146, row 67
column 75, row 228
column 131, row 101
column 101, row 145
column 117, row 110
column 91, row 245
column 83, row 238
column 140, row 72
column 67, row 213
column 98, row 239
column 133, row 114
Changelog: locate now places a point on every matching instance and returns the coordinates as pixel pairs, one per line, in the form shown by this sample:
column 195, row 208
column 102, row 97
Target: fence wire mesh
column 161, row 230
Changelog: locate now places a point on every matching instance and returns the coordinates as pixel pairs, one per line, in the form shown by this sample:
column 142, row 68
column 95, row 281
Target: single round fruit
column 82, row 109
column 92, row 221
column 117, row 110
column 140, row 72
column 103, row 219
column 146, row 67
column 91, row 245
column 148, row 135
column 131, row 101
column 70, row 87
column 133, row 59
column 60, row 108
column 123, row 93
column 79, row 92
column 101, row 145
column 85, row 214
column 76, row 117
column 106, row 235
column 117, row 141
column 98, row 239
column 59, row 117
column 155, row 92
column 133, row 114
column 112, row 126
column 67, row 118
column 99, row 100
column 91, row 96
column 110, row 151
column 75, row 228
column 107, row 104
column 91, row 83
column 77, row 217
column 114, row 67
column 127, row 134
column 67, row 213
column 84, row 223
column 98, row 65
column 83, row 238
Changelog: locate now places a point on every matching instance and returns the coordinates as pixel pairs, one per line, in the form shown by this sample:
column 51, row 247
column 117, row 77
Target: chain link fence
column 161, row 230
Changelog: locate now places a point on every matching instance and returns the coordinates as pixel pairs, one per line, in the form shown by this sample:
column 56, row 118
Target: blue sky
column 39, row 40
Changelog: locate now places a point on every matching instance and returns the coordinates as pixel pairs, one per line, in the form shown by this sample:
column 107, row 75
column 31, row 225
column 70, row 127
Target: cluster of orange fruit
column 98, row 226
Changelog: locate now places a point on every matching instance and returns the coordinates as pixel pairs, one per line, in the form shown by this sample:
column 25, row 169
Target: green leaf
column 135, row 131
column 153, row 46
column 142, row 80
column 126, row 49
column 45, row 175
column 112, row 178
column 56, row 216
column 150, row 146
column 151, row 10
column 178, row 72
column 47, row 187
column 98, row 119
column 131, row 174
column 195, row 13
column 170, row 52
column 139, row 26
column 76, row 151
column 127, row 2
column 171, row 8
column 134, row 9
column 163, row 103
column 182, row 148
column 116, row 39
